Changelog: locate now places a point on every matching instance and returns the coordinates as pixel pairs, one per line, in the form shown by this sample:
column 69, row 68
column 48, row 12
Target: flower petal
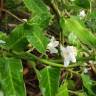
column 66, row 62
column 52, row 45
column 53, row 50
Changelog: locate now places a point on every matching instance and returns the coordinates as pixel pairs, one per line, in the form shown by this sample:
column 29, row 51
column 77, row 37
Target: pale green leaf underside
column 81, row 32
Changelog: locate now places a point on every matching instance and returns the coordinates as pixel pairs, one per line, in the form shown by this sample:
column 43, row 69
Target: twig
column 73, row 92
column 1, row 4
column 1, row 7
column 8, row 12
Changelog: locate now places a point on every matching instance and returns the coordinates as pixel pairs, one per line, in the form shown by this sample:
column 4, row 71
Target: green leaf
column 82, row 94
column 71, row 84
column 17, row 40
column 3, row 36
column 72, row 39
column 42, row 15
column 87, row 82
column 63, row 91
column 24, row 55
column 49, row 81
column 36, row 6
column 19, row 36
column 22, row 34
column 11, row 78
column 41, row 20
column 37, row 39
column 83, row 3
column 81, row 32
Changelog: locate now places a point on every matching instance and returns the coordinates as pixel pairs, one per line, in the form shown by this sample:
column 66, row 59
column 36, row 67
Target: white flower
column 91, row 62
column 52, row 45
column 69, row 54
column 82, row 14
column 85, row 70
column 2, row 42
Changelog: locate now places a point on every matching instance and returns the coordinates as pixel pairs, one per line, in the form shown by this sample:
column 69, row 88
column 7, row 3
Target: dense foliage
column 55, row 39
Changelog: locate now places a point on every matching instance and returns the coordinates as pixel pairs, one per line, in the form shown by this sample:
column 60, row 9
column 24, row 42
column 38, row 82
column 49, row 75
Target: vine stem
column 90, row 6
column 1, row 7
column 32, row 57
column 47, row 62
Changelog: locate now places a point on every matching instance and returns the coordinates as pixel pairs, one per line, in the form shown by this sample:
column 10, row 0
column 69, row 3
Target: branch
column 8, row 12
